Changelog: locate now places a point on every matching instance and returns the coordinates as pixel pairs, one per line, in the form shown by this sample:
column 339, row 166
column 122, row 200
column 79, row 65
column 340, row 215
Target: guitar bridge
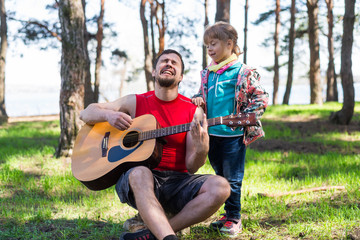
column 105, row 144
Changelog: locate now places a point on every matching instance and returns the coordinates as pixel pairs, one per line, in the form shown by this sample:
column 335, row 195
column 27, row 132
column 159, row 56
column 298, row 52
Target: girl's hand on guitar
column 119, row 120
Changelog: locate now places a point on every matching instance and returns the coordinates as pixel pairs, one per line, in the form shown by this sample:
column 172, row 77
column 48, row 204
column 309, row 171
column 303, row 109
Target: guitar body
column 101, row 152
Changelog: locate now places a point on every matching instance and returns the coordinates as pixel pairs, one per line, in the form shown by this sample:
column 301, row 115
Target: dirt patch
column 307, row 127
column 355, row 234
column 41, row 118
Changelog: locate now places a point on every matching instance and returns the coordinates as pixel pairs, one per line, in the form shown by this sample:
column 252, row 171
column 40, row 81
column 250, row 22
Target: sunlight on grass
column 339, row 138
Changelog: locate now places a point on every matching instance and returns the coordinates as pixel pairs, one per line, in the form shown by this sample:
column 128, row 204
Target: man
column 172, row 186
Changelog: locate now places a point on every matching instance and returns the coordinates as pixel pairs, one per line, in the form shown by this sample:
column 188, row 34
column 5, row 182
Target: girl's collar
column 214, row 67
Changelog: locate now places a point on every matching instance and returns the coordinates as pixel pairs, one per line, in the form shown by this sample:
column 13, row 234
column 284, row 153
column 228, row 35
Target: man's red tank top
column 176, row 112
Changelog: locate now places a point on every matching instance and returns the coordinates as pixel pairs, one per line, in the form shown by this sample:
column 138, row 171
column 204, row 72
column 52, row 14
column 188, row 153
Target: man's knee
column 140, row 175
column 218, row 187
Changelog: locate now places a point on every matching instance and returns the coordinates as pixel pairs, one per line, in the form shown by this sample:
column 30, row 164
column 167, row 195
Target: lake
column 35, row 100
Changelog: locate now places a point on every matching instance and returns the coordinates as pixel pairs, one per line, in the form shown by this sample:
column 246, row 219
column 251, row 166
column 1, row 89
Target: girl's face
column 219, row 50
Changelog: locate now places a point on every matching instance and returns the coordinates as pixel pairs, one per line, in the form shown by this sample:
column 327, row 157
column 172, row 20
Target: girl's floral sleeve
column 257, row 97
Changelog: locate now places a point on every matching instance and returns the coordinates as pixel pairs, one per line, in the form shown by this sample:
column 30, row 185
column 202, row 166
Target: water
column 33, row 100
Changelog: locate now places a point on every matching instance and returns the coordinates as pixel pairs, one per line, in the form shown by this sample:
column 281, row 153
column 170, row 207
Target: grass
column 40, row 199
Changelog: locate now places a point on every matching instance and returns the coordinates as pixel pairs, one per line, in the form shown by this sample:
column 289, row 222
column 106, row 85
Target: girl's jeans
column 227, row 157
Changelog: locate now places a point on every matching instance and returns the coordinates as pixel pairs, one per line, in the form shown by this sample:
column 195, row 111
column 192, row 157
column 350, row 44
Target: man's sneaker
column 231, row 228
column 218, row 224
column 139, row 235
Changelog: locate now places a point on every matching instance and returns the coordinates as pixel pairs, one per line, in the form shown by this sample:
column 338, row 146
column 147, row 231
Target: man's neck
column 166, row 94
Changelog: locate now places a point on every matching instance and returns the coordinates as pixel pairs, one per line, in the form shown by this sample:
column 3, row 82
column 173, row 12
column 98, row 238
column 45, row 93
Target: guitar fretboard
column 162, row 132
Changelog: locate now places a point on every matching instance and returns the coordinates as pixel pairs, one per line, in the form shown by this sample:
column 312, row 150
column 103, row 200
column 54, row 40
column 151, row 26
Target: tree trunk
column 89, row 96
column 98, row 61
column 161, row 26
column 74, row 64
column 153, row 9
column 3, row 50
column 147, row 57
column 206, row 23
column 345, row 114
column 291, row 54
column 331, row 90
column 276, row 52
column 313, row 31
column 222, row 11
column 246, row 8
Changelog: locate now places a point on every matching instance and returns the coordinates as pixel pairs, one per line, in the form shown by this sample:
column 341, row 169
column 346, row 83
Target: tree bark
column 331, row 90
column 3, row 49
column 206, row 23
column 98, row 61
column 246, row 9
column 89, row 96
column 153, row 9
column 313, row 31
column 147, row 57
column 345, row 114
column 160, row 23
column 74, row 70
column 276, row 52
column 291, row 54
column 222, row 11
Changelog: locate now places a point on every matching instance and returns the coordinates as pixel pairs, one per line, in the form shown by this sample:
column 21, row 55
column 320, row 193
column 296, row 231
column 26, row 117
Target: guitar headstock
column 241, row 119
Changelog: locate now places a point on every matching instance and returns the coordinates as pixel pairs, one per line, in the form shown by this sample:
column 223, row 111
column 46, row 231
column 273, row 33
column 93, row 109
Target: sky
column 29, row 70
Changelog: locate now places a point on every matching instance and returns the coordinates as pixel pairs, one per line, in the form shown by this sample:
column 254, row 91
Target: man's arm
column 197, row 142
column 118, row 113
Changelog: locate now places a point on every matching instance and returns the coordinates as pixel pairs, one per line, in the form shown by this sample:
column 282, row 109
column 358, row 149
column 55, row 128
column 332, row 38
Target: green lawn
column 40, row 199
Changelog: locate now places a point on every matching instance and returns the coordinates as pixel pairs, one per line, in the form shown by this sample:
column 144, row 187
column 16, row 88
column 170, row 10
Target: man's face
column 168, row 70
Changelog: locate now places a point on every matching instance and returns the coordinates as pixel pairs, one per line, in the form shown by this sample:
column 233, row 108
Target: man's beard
column 165, row 82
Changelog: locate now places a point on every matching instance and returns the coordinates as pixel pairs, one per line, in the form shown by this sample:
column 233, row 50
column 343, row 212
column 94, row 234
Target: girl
column 229, row 87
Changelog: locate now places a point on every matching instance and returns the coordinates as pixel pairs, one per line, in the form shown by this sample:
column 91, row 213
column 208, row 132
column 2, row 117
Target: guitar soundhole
column 131, row 139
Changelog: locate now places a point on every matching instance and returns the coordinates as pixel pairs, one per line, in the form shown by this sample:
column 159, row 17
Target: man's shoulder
column 185, row 99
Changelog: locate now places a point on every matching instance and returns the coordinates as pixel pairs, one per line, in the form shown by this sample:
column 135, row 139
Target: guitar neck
column 162, row 132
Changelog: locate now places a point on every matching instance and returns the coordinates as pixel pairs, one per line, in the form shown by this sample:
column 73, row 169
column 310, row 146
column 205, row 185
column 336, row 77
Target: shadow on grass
column 81, row 228
column 28, row 212
column 19, row 188
column 289, row 210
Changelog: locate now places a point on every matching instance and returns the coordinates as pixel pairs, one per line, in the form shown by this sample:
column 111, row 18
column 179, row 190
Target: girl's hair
column 222, row 31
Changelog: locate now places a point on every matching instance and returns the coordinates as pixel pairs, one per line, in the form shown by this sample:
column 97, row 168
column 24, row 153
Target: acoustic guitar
column 102, row 153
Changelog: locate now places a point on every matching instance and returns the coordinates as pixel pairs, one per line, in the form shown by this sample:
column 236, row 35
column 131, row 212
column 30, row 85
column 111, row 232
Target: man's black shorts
column 173, row 189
